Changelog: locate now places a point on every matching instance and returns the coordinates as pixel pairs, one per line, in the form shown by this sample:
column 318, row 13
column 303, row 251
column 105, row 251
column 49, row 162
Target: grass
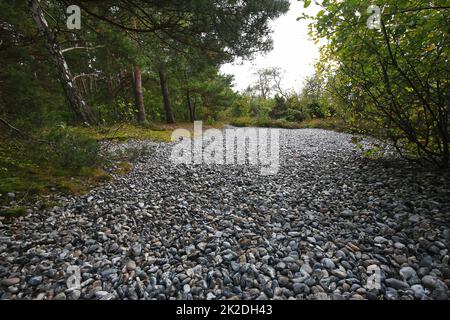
column 160, row 132
column 125, row 132
column 327, row 123
column 29, row 180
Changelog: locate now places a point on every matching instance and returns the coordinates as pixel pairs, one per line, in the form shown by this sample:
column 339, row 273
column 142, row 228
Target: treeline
column 129, row 61
column 268, row 99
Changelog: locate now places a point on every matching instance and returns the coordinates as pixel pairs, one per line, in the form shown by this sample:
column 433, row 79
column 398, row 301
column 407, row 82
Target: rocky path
column 319, row 229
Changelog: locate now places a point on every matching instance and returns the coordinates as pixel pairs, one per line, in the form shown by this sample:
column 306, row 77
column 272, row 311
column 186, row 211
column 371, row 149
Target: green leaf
column 307, row 3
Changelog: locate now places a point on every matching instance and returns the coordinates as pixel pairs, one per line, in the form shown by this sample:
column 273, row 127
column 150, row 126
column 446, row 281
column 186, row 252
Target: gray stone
column 136, row 249
column 396, row 284
column 198, row 231
column 339, row 273
column 418, row 290
column 408, row 273
column 108, row 272
column 328, row 263
column 210, row 296
column 347, row 213
column 60, row 296
column 74, row 295
column 131, row 265
column 380, row 239
column 35, row 281
column 426, row 261
column 10, row 281
column 430, row 282
column 201, row 246
column 298, row 288
column 306, row 268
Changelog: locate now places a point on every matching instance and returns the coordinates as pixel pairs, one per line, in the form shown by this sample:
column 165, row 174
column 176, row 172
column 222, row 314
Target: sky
column 293, row 52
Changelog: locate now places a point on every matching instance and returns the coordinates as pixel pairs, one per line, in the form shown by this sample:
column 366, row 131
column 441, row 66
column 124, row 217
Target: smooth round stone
column 418, row 290
column 284, row 281
column 396, row 284
column 74, row 295
column 328, row 263
column 430, row 282
column 298, row 288
column 306, row 268
column 408, row 273
column 10, row 281
column 60, row 296
column 35, row 281
column 131, row 265
column 427, row 262
column 399, row 245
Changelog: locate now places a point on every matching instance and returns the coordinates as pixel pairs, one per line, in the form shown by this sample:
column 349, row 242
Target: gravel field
column 316, row 230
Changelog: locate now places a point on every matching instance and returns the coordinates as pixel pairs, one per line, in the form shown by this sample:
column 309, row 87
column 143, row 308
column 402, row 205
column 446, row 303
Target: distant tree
column 311, row 96
column 268, row 81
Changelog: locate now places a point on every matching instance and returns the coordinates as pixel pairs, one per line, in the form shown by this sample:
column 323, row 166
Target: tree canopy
column 397, row 75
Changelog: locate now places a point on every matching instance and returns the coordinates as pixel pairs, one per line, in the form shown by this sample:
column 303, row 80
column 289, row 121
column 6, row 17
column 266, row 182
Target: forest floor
column 330, row 224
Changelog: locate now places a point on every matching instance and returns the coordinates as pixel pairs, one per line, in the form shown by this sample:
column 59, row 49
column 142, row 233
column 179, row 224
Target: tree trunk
column 166, row 97
column 76, row 102
column 190, row 106
column 138, row 96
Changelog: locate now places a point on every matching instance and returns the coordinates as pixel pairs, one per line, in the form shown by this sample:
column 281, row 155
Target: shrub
column 68, row 149
column 295, row 115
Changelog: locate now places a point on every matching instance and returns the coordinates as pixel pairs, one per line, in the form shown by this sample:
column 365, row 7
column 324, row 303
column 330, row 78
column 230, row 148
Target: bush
column 68, row 149
column 296, row 115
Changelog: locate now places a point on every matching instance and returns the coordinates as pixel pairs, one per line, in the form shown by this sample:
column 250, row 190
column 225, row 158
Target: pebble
column 418, row 290
column 396, row 284
column 306, row 268
column 328, row 263
column 430, row 282
column 380, row 239
column 339, row 273
column 407, row 273
column 35, row 281
column 131, row 265
column 60, row 296
column 136, row 249
column 10, row 281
